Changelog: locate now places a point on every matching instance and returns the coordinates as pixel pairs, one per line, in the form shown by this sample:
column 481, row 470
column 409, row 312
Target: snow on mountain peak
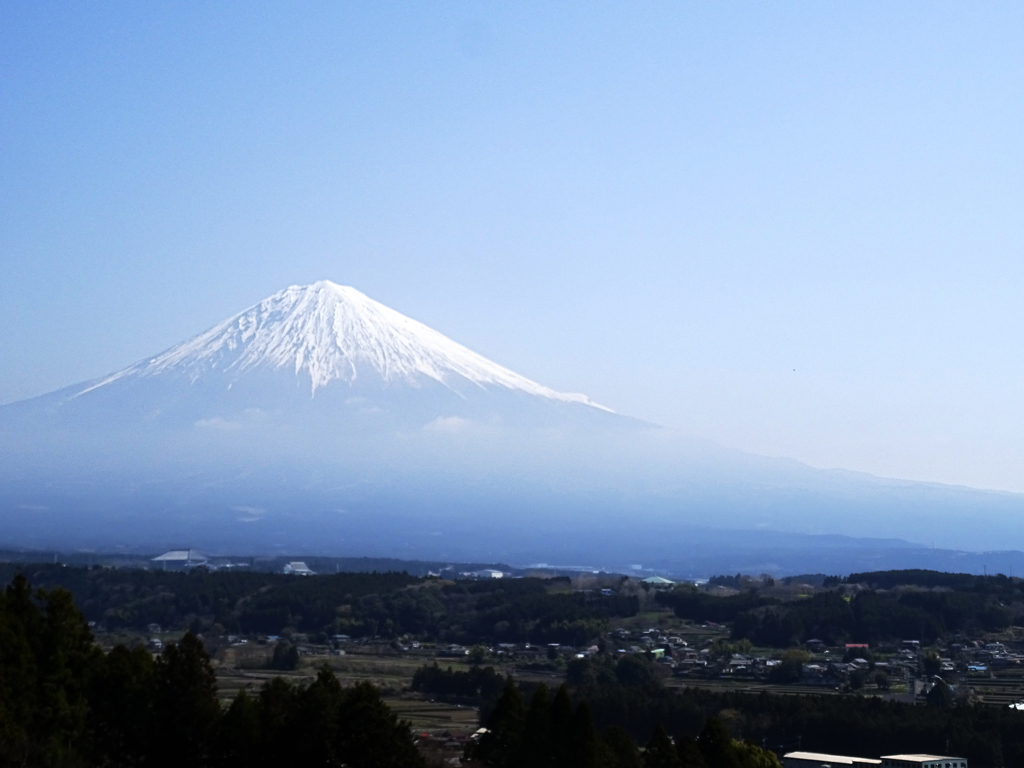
column 332, row 332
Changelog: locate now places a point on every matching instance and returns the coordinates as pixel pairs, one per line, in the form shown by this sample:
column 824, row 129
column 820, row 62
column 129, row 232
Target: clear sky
column 794, row 228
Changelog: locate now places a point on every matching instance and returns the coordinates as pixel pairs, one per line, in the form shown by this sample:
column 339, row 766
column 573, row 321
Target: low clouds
column 448, row 424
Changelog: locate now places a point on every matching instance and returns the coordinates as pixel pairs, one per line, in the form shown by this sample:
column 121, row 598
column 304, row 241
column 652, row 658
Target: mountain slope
column 321, row 419
column 331, row 333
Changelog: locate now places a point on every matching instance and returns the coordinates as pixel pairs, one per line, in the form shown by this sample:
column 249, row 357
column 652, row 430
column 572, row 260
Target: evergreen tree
column 276, row 702
column 320, row 731
column 660, row 752
column 504, row 728
column 370, row 735
column 186, row 712
column 121, row 707
column 46, row 660
column 716, row 745
column 239, row 741
column 561, row 742
column 621, row 749
column 689, row 753
column 586, row 747
column 534, row 747
column 20, row 625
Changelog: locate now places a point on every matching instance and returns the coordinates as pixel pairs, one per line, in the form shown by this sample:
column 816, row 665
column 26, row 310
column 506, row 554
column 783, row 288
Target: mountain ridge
column 331, row 332
column 352, row 427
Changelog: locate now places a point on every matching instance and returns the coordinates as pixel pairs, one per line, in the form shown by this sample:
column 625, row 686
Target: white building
column 923, row 761
column 820, row 760
column 488, row 573
column 658, row 581
column 180, row 558
column 298, row 568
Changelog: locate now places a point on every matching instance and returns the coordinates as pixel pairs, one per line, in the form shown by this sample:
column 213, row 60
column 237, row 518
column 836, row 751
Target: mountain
column 324, row 333
column 320, row 420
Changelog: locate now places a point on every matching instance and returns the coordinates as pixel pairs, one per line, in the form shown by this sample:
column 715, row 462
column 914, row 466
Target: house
column 298, row 568
column 820, row 760
column 180, row 558
column 658, row 581
column 487, row 573
column 923, row 761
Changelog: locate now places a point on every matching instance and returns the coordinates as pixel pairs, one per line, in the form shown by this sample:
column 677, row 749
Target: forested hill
column 355, row 604
column 961, row 582
column 872, row 608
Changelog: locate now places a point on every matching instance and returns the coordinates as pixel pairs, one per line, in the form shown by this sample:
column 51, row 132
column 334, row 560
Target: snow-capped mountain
column 326, row 333
column 321, row 420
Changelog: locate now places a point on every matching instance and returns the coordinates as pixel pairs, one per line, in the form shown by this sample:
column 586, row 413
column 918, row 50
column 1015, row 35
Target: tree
column 186, row 712
column 240, row 740
column 689, row 753
column 931, row 664
column 121, row 707
column 752, row 756
column 660, row 752
column 533, row 749
column 586, row 746
column 320, row 733
column 371, row 735
column 286, row 656
column 46, row 660
column 621, row 749
column 504, row 728
column 717, row 746
column 940, row 696
column 560, row 732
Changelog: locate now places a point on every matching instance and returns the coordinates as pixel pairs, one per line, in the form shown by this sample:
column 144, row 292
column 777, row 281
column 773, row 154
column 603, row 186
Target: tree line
column 629, row 693
column 551, row 731
column 960, row 603
column 356, row 604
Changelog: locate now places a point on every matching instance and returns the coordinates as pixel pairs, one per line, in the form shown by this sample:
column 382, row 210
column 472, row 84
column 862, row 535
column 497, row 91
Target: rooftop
column 920, row 758
column 180, row 556
column 833, row 759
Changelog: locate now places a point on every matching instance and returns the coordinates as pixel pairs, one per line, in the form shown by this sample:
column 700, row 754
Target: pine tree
column 121, row 707
column 660, row 752
column 239, row 740
column 186, row 709
column 370, row 735
column 689, row 753
column 533, row 748
column 501, row 743
column 586, row 746
column 716, row 746
column 621, row 748
column 561, row 741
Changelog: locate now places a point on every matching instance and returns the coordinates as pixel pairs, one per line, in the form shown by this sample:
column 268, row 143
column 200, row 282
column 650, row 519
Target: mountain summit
column 326, row 332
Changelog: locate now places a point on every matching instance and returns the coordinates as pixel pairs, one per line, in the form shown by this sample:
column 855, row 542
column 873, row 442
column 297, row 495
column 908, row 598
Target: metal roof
column 179, row 555
column 922, row 758
column 819, row 757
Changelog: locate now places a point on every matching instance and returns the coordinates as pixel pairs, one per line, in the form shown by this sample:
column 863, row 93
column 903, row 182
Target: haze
column 792, row 229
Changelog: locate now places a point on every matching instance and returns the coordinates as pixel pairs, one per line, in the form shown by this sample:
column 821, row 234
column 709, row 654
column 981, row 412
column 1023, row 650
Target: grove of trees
column 64, row 702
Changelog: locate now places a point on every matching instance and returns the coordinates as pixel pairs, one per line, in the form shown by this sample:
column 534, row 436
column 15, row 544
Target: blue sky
column 793, row 228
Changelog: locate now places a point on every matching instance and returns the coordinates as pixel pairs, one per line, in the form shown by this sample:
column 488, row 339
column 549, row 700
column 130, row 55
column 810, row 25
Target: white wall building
column 923, row 761
column 821, row 760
